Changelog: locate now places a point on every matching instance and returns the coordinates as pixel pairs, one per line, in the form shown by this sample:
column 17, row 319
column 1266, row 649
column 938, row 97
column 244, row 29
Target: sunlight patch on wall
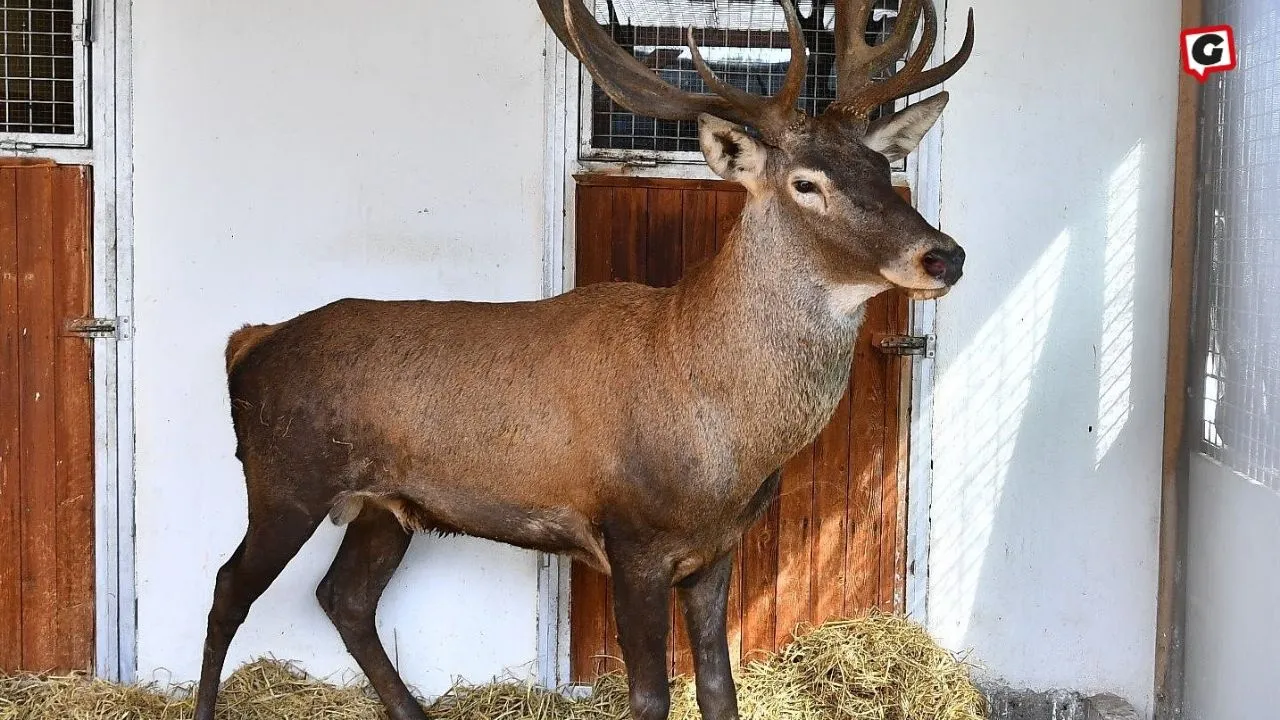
column 981, row 399
column 1114, row 355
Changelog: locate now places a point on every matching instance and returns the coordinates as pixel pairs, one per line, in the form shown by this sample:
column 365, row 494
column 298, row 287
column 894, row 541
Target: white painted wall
column 289, row 153
column 1233, row 595
column 1057, row 161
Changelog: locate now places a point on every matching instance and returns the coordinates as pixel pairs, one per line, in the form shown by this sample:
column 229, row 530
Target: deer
column 638, row 430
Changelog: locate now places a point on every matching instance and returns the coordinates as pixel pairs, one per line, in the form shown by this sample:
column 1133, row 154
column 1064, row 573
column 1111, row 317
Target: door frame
column 562, row 122
column 110, row 155
column 112, row 109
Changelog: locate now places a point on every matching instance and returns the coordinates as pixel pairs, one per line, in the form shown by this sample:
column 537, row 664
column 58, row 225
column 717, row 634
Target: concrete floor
column 1011, row 704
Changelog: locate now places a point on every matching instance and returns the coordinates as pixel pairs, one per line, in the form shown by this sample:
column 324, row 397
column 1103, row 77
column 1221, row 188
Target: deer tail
column 244, row 340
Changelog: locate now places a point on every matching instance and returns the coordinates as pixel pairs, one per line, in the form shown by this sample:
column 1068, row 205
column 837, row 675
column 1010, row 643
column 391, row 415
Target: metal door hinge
column 17, row 148
column 91, row 327
column 906, row 344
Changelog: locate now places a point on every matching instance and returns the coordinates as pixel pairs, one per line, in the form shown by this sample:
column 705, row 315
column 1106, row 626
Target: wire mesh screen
column 1239, row 227
column 744, row 41
column 38, row 55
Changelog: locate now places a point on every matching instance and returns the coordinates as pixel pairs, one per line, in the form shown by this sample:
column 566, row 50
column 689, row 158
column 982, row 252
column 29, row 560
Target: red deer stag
column 636, row 429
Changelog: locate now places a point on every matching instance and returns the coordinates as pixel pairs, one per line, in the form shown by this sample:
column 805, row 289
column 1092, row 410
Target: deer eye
column 804, row 186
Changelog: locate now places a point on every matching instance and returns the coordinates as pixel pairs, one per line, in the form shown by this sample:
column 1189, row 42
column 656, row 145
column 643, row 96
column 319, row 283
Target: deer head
column 827, row 177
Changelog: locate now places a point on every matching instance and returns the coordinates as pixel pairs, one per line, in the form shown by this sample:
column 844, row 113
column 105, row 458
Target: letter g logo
column 1208, row 50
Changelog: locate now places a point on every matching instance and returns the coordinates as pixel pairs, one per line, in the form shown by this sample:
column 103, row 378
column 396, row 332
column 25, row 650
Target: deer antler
column 857, row 93
column 856, row 61
column 632, row 85
column 640, row 90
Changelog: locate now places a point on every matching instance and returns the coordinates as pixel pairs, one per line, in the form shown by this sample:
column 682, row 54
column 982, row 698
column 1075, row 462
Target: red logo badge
column 1208, row 50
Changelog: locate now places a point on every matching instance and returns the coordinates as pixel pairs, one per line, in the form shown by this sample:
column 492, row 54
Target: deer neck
column 766, row 288
column 766, row 338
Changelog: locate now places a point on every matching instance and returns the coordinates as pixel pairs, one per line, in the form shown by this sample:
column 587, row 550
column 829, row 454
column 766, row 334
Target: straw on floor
column 877, row 667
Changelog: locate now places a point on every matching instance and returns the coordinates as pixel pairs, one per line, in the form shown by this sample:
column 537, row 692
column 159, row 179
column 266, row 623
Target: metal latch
column 906, row 344
column 91, row 327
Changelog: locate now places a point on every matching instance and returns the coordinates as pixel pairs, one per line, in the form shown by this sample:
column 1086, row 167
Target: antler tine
column 851, row 45
column 940, row 74
column 857, row 62
column 912, row 77
column 624, row 78
column 740, row 98
column 772, row 114
column 878, row 93
column 794, row 83
column 904, row 29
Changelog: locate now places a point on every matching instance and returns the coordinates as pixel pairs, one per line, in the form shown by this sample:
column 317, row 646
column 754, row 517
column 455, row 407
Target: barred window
column 1239, row 236
column 42, row 58
column 744, row 41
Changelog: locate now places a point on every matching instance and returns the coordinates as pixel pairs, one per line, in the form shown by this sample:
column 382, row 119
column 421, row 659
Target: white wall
column 1057, row 173
column 289, row 153
column 1233, row 595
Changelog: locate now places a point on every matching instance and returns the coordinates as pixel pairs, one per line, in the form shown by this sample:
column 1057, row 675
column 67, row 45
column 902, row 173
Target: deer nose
column 945, row 264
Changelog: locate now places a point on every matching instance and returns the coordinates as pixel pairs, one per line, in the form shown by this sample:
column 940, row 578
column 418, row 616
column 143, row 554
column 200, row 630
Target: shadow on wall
column 1032, row 420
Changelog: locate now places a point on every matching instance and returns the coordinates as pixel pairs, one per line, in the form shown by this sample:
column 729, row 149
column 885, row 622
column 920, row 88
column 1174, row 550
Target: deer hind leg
column 374, row 545
column 274, row 536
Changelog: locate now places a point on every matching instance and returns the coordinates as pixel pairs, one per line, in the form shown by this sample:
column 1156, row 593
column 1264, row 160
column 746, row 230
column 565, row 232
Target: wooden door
column 833, row 541
column 46, row 420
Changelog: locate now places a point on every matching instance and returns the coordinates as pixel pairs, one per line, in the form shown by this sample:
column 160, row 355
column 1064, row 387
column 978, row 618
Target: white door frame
column 557, row 271
column 924, row 167
column 112, row 112
column 562, row 98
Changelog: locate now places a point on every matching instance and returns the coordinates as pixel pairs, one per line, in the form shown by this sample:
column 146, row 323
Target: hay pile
column 879, row 667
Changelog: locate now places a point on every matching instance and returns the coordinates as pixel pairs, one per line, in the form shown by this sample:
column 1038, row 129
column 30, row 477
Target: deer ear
column 896, row 135
column 731, row 152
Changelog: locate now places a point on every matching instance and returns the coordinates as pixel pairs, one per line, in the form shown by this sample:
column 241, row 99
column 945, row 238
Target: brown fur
column 244, row 340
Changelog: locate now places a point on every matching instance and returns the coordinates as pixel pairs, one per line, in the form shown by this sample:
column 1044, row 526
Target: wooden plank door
column 46, row 420
column 833, row 540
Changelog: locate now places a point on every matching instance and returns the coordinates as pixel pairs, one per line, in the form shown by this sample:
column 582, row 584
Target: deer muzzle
column 944, row 263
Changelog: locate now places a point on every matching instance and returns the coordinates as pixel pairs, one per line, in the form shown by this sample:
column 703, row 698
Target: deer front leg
column 641, row 605
column 704, row 597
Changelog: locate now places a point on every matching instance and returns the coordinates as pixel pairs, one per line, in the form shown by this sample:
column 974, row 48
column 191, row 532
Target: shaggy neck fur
column 783, row 336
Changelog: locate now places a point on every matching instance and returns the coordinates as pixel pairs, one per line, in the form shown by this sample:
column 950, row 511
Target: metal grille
column 1239, row 228
column 744, row 41
column 39, row 55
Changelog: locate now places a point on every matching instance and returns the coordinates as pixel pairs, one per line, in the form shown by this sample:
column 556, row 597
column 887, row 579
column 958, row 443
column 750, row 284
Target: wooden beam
column 655, row 183
column 1170, row 608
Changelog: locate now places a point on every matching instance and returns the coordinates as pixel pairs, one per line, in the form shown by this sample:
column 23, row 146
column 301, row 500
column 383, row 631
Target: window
column 1238, row 303
column 744, row 41
column 42, row 52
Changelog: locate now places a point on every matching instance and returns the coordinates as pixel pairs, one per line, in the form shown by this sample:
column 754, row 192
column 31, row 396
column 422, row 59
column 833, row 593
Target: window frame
column 587, row 152
column 80, row 84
